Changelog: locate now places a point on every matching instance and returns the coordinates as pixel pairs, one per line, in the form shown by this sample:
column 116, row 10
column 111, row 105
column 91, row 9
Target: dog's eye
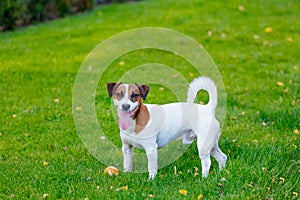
column 134, row 95
column 120, row 95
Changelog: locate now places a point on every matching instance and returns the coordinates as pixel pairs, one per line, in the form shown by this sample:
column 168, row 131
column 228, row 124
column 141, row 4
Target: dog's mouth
column 124, row 121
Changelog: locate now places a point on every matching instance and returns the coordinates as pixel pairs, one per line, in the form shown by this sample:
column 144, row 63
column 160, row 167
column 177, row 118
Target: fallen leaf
column 268, row 29
column 14, row 115
column 255, row 141
column 102, row 137
column 56, row 100
column 200, row 196
column 111, row 170
column 241, row 8
column 184, row 192
column 44, row 196
column 280, row 84
column 191, row 74
column 289, row 39
column 123, row 188
column 201, row 103
column 256, row 37
column 121, row 63
column 223, row 35
column 45, row 163
column 281, row 179
column 209, row 33
column 78, row 108
column 296, row 131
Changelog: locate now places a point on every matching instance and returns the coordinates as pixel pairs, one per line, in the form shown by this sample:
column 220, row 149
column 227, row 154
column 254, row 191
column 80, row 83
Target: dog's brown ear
column 111, row 88
column 144, row 89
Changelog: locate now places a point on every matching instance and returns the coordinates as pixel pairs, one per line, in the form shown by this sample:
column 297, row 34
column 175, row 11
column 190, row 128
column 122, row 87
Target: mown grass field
column 256, row 47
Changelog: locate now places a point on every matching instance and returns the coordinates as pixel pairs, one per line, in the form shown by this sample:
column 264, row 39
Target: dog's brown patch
column 119, row 92
column 142, row 117
column 134, row 93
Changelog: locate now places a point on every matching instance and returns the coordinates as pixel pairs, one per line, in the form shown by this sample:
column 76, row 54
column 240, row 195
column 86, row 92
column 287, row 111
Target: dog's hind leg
column 204, row 154
column 206, row 163
column 219, row 156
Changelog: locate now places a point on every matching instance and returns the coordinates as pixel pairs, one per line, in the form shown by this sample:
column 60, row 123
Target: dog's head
column 127, row 97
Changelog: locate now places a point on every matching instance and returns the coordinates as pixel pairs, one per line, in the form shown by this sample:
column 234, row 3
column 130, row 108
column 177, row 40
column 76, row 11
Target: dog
column 150, row 126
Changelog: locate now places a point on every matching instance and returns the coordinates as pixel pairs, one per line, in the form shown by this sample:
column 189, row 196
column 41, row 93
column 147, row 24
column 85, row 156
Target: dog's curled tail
column 203, row 83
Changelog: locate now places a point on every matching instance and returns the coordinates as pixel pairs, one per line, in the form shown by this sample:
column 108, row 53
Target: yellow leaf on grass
column 296, row 131
column 184, row 192
column 281, row 179
column 123, row 188
column 200, row 196
column 241, row 8
column 289, row 39
column 280, row 84
column 192, row 74
column 268, row 29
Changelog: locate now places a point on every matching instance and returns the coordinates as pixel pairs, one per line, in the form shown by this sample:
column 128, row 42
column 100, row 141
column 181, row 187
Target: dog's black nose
column 125, row 107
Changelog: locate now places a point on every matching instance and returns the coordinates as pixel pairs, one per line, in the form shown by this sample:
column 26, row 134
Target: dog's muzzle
column 125, row 107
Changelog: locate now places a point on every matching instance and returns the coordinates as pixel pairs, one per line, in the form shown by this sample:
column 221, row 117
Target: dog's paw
column 205, row 175
column 127, row 170
column 152, row 175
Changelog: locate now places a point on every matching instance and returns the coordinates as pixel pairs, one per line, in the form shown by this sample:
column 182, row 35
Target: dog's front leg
column 127, row 150
column 152, row 161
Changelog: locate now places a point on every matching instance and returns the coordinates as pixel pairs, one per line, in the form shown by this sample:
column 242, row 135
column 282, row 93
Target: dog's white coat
column 185, row 120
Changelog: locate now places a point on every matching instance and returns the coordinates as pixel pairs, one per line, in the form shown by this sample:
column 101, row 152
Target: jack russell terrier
column 150, row 126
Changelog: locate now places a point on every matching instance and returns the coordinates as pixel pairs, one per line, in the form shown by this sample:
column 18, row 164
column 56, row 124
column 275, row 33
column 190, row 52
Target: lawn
column 256, row 47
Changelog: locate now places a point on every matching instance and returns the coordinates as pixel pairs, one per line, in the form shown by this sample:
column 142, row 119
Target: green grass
column 41, row 152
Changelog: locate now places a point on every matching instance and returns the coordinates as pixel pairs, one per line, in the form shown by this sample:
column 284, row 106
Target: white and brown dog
column 150, row 126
